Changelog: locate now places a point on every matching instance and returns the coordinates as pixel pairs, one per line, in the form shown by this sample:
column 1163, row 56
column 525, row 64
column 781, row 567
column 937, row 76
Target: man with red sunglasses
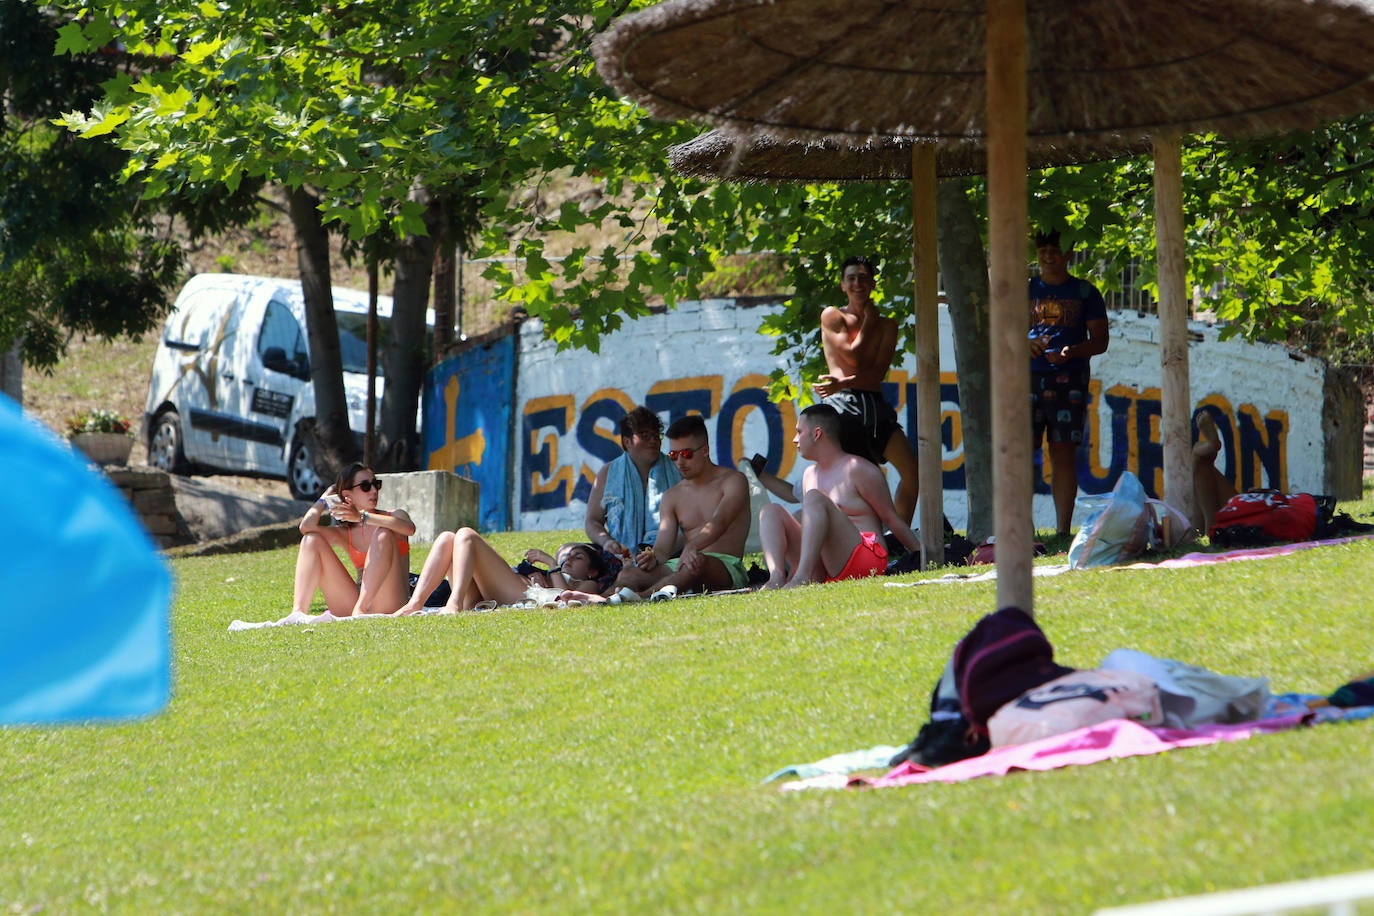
column 706, row 514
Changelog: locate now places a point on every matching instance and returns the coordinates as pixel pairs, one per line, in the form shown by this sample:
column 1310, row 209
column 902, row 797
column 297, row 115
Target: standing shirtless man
column 710, row 507
column 859, row 344
column 845, row 505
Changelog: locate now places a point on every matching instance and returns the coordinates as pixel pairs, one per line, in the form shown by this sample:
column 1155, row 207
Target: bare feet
column 1208, row 439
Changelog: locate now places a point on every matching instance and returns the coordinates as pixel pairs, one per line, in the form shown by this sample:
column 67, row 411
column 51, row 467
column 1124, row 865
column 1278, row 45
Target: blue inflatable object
column 84, row 622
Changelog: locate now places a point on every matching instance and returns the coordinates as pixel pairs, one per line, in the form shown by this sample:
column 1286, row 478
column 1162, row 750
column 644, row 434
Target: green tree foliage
column 1279, row 235
column 388, row 112
column 77, row 253
column 478, row 102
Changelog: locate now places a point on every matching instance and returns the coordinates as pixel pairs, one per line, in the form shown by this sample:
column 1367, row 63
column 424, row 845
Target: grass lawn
column 610, row 759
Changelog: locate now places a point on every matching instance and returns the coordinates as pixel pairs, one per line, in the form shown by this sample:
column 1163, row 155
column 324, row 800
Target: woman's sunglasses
column 367, row 486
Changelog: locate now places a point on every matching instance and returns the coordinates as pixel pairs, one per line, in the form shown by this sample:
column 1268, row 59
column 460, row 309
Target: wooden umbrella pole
column 1010, row 308
column 929, row 451
column 1176, row 407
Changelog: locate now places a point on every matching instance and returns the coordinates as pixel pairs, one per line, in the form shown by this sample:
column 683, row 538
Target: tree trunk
column 407, row 351
column 12, row 373
column 334, row 443
column 964, row 267
column 445, row 286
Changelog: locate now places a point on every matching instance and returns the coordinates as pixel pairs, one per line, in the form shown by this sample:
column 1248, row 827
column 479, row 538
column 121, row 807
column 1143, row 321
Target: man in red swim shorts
column 845, row 503
column 868, row 559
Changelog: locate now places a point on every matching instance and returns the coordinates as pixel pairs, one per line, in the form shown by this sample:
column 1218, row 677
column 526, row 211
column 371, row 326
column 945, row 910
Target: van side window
column 282, row 332
column 200, row 321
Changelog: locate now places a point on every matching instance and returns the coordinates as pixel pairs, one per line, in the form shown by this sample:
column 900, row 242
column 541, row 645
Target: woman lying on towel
column 480, row 575
column 377, row 541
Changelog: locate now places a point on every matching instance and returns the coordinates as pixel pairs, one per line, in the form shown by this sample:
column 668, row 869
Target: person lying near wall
column 478, row 575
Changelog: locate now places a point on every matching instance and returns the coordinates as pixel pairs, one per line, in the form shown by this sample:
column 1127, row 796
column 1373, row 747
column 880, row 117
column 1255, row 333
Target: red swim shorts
column 868, row 559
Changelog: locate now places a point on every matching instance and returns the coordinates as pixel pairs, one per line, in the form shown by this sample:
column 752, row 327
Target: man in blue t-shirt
column 1068, row 326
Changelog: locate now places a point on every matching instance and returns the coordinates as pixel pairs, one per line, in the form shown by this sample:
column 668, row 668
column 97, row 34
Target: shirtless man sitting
column 859, row 344
column 710, row 508
column 845, row 505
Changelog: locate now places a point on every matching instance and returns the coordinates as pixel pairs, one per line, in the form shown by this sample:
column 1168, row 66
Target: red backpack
column 1262, row 517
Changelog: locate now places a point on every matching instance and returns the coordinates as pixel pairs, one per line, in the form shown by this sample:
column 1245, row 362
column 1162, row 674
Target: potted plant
column 103, row 435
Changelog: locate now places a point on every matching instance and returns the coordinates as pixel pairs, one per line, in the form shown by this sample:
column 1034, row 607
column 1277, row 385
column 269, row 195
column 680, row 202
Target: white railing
column 1338, row 894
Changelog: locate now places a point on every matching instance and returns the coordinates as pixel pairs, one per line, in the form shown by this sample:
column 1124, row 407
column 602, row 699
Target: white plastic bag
column 1117, row 528
column 1076, row 700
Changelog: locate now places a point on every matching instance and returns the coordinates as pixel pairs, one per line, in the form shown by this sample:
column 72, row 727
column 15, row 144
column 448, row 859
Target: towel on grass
column 1104, row 741
column 1043, row 569
column 1190, row 559
column 296, row 617
column 1250, row 553
column 1093, row 744
column 840, row 764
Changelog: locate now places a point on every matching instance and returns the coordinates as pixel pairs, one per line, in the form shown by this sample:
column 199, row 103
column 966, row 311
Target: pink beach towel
column 1251, row 553
column 1105, row 741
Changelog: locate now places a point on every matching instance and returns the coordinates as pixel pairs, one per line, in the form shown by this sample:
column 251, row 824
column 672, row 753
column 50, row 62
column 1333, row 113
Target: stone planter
column 104, row 448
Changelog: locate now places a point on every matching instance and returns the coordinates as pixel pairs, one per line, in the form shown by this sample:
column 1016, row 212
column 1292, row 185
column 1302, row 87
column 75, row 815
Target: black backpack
column 957, row 549
column 947, row 737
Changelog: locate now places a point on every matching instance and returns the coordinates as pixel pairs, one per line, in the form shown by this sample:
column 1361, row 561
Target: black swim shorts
column 867, row 422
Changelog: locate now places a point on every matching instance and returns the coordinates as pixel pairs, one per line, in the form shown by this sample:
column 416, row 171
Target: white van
column 231, row 380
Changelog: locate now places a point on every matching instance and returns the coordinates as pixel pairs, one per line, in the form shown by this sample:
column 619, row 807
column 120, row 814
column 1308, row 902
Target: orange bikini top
column 359, row 557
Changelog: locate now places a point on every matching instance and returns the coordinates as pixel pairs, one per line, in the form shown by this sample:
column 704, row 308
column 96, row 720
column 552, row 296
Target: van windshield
column 353, row 341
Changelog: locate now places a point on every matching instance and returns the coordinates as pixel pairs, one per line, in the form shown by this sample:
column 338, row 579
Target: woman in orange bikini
column 377, row 541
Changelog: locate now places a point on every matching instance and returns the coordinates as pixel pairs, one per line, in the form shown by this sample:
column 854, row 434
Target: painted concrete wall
column 708, row 358
column 467, row 421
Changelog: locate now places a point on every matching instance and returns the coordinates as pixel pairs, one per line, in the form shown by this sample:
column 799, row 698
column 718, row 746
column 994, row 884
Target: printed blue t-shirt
column 1061, row 312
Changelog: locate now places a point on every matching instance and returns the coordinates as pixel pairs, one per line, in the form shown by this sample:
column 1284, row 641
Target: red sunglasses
column 685, row 453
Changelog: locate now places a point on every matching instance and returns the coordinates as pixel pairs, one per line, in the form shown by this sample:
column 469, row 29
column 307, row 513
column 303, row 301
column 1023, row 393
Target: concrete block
column 435, row 500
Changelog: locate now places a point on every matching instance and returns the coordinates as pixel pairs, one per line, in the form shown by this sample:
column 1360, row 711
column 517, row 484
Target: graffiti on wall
column 1124, row 435
column 466, row 423
column 533, row 424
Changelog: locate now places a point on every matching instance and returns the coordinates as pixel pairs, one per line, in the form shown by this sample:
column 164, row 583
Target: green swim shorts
column 739, row 577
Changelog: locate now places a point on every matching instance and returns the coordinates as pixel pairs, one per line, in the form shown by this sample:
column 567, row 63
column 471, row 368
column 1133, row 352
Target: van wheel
column 165, row 448
column 301, row 478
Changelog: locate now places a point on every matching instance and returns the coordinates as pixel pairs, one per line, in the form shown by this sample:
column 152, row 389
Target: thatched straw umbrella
column 719, row 154
column 992, row 70
column 730, row 156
